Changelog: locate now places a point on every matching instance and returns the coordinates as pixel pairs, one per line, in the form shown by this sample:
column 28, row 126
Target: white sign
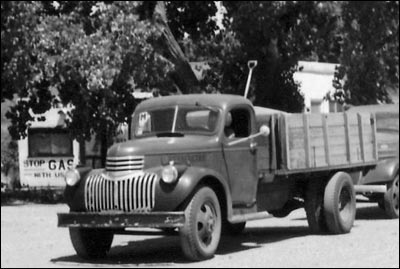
column 41, row 172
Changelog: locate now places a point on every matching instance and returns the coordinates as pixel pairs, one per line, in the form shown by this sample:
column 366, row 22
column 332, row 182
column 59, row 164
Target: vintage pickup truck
column 203, row 164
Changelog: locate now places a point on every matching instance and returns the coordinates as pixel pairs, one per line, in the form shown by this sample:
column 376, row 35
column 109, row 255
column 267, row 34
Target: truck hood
column 163, row 145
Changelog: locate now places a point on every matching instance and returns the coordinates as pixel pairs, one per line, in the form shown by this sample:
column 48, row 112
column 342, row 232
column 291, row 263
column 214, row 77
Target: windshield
column 175, row 121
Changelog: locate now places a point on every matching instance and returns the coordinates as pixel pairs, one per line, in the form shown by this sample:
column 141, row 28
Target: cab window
column 240, row 125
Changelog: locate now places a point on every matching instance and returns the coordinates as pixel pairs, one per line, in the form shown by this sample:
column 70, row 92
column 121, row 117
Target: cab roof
column 218, row 100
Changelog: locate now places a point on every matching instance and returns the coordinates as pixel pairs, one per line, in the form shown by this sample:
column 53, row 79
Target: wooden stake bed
column 316, row 142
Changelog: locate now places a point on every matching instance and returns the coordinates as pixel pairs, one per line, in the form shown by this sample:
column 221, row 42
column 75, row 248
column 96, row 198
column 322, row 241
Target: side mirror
column 264, row 130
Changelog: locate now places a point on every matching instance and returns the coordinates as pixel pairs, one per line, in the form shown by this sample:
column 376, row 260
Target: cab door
column 240, row 157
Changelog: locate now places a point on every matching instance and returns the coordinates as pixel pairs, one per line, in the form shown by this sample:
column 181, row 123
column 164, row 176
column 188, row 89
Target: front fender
column 170, row 197
column 385, row 171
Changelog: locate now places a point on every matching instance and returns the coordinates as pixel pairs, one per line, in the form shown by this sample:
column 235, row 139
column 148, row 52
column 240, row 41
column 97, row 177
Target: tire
column 340, row 204
column 91, row 243
column 234, row 228
column 202, row 231
column 391, row 199
column 314, row 206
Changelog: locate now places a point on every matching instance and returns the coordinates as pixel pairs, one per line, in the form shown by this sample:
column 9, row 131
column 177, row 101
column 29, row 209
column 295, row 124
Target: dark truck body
column 301, row 160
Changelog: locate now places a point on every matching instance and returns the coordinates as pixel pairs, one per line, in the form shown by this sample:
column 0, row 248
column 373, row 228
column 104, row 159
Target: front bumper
column 121, row 220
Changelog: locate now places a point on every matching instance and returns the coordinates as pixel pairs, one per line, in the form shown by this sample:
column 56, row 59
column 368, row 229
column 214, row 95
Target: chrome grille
column 122, row 164
column 133, row 193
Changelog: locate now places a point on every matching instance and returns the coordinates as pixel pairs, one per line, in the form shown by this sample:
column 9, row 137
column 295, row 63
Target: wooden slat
column 361, row 132
column 285, row 141
column 326, row 138
column 347, row 137
column 374, row 140
column 306, row 126
column 273, row 142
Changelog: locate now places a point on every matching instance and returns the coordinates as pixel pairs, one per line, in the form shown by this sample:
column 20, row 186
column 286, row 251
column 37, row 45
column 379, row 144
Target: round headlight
column 72, row 177
column 169, row 174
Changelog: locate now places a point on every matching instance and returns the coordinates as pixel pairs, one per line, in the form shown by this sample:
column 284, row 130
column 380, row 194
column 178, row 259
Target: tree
column 278, row 34
column 95, row 72
column 370, row 52
column 92, row 55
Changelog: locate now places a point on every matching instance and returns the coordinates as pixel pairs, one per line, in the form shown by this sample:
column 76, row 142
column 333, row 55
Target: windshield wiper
column 169, row 134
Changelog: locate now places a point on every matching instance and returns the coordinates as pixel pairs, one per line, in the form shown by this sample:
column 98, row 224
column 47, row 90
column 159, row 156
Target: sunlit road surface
column 30, row 238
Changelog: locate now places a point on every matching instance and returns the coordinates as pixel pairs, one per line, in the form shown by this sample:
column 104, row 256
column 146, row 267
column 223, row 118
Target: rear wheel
column 391, row 199
column 91, row 243
column 340, row 204
column 202, row 230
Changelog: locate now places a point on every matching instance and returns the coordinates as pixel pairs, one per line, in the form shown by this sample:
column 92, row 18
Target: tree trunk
column 265, row 73
column 183, row 76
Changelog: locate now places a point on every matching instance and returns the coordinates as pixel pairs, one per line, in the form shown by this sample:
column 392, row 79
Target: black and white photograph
column 200, row 134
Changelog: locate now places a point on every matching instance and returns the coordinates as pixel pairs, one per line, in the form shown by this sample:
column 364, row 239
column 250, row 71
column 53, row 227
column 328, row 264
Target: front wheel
column 91, row 243
column 391, row 200
column 340, row 204
column 202, row 231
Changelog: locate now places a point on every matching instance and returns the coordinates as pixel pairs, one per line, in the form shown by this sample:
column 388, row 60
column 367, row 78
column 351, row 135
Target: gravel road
column 30, row 238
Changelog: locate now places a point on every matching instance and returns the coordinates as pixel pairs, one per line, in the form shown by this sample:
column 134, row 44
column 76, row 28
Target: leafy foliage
column 192, row 18
column 227, row 65
column 278, row 34
column 96, row 72
column 370, row 57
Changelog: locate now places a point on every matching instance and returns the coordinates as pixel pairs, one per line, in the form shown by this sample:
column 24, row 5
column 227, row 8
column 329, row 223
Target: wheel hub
column 206, row 224
column 210, row 224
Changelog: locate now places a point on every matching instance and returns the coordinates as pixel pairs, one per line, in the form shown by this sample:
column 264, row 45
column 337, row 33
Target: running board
column 370, row 188
column 251, row 216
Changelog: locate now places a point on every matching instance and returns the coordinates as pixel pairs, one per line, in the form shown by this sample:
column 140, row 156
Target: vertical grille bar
column 104, row 200
column 123, row 195
column 149, row 189
column 153, row 188
column 112, row 195
column 93, row 194
column 131, row 196
column 140, row 206
column 96, row 194
column 127, row 198
column 119, row 194
column 87, row 193
column 108, row 194
column 136, row 192
column 146, row 204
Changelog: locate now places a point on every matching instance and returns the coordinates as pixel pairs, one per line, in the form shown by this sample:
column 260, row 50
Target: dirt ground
column 30, row 238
